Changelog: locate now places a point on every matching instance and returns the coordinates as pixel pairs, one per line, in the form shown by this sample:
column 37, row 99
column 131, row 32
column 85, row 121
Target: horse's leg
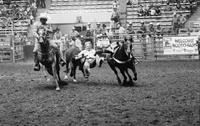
column 58, row 72
column 130, row 78
column 112, row 66
column 67, row 70
column 44, row 70
column 74, row 73
column 133, row 69
column 124, row 75
column 55, row 76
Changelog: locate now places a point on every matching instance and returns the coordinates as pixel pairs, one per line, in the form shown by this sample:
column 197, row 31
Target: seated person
column 89, row 58
column 159, row 30
column 147, row 10
column 129, row 2
column 141, row 11
column 98, row 29
column 179, row 7
column 168, row 7
column 143, row 29
column 157, row 9
column 182, row 21
column 130, row 28
column 151, row 29
column 153, row 11
column 115, row 18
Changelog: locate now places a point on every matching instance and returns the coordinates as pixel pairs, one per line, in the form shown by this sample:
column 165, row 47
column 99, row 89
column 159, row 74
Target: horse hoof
column 57, row 89
column 74, row 80
column 134, row 79
column 66, row 77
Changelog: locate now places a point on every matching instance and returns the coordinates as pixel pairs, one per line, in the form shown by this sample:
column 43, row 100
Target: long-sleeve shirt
column 90, row 54
column 39, row 24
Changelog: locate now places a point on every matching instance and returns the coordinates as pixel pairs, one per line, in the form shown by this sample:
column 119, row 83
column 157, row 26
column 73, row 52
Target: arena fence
column 155, row 47
column 11, row 49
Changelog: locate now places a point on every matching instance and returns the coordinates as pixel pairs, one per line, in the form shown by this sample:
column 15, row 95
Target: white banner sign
column 180, row 45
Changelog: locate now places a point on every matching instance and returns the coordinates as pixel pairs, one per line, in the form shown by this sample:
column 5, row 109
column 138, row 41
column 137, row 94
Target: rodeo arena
column 99, row 62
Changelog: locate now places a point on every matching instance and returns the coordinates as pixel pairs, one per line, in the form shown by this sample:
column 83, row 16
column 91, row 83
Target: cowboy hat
column 44, row 16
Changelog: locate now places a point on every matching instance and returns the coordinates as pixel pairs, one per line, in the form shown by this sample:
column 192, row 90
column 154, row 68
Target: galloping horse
column 122, row 60
column 48, row 56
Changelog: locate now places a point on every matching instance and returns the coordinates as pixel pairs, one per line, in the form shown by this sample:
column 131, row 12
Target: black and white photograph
column 99, row 62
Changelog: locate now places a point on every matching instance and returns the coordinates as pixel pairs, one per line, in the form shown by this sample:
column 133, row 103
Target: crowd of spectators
column 39, row 3
column 18, row 11
column 149, row 10
column 154, row 8
column 180, row 5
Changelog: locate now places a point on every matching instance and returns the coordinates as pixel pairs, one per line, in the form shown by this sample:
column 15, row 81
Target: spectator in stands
column 158, row 30
column 129, row 2
column 130, row 28
column 168, row 7
column 38, row 3
column 89, row 33
column 143, row 29
column 103, row 29
column 57, row 35
column 147, row 10
column 74, row 34
column 34, row 8
column 151, row 29
column 31, row 19
column 175, row 23
column 98, row 29
column 181, row 20
column 43, row 3
column 141, row 11
column 157, row 9
column 115, row 18
column 178, row 6
column 153, row 11
column 122, row 29
column 89, row 27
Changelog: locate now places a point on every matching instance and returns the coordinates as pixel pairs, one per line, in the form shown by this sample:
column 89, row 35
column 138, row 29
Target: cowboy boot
column 36, row 61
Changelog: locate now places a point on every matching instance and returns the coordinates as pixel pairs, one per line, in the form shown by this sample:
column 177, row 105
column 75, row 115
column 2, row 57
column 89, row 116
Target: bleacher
column 165, row 19
column 89, row 10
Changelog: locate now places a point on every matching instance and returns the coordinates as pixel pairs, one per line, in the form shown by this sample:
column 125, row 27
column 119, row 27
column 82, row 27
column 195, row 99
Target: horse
column 122, row 60
column 71, row 61
column 48, row 56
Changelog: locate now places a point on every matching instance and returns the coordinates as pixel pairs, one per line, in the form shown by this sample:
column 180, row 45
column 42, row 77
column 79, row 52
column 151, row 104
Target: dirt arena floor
column 166, row 94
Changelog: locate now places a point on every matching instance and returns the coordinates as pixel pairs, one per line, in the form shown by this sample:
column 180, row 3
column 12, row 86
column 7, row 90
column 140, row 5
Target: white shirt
column 90, row 54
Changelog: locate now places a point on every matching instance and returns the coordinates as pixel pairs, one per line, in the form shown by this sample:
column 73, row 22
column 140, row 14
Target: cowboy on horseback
column 42, row 24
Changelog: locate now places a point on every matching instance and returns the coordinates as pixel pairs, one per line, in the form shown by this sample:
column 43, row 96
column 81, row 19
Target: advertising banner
column 180, row 45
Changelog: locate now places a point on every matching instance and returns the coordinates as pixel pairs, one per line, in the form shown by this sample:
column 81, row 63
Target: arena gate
column 11, row 47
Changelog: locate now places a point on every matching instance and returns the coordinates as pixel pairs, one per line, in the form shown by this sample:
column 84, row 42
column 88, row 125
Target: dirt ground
column 166, row 94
